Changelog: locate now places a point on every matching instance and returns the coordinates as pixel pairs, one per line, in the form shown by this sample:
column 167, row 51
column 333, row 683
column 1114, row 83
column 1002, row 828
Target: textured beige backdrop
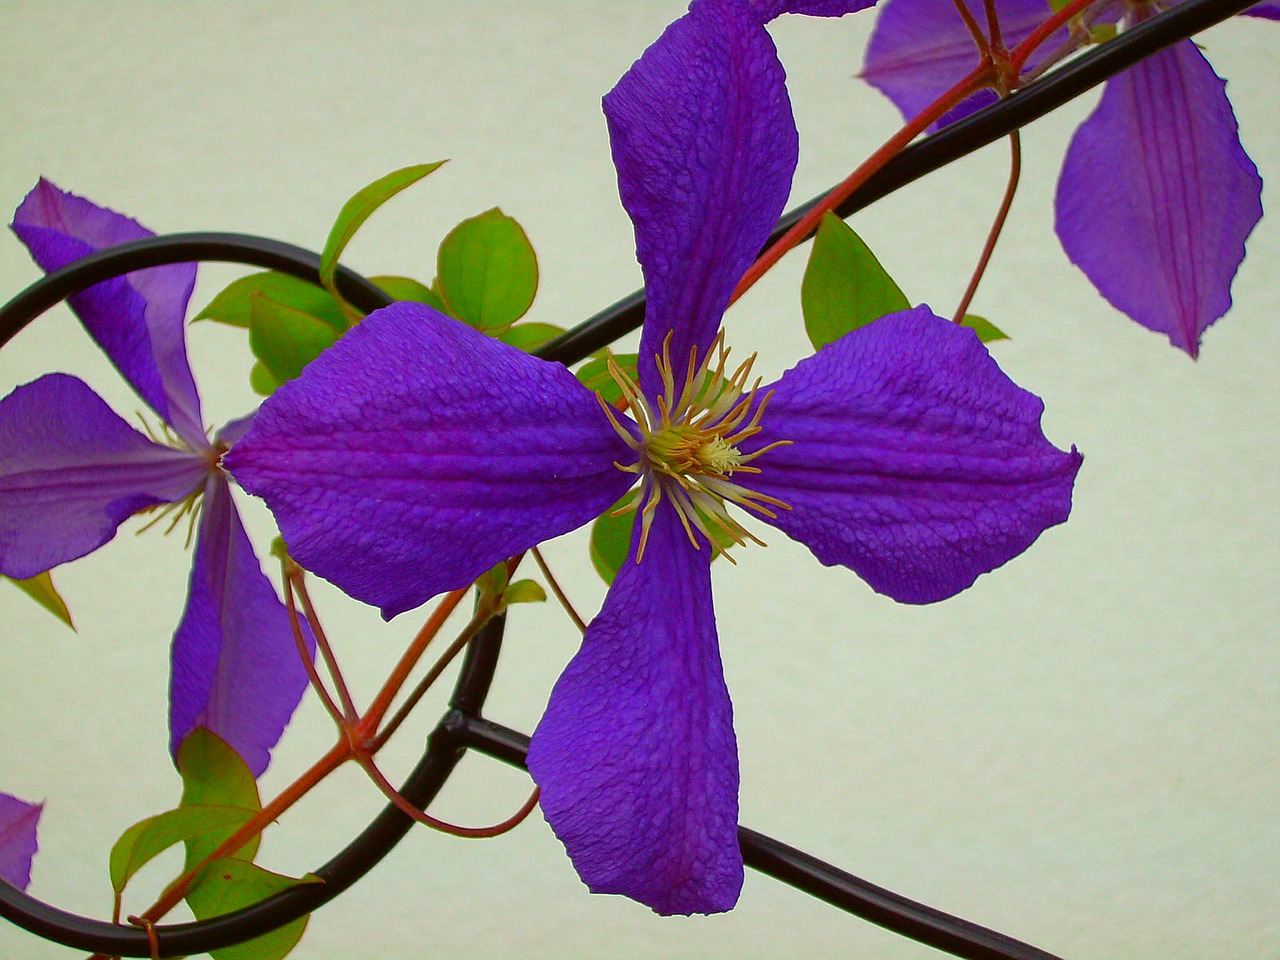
column 1080, row 751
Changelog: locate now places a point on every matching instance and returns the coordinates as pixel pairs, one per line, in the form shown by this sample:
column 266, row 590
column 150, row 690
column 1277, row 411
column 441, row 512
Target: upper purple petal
column 705, row 146
column 71, row 471
column 921, row 48
column 137, row 319
column 768, row 9
column 18, row 820
column 415, row 453
column 914, row 460
column 236, row 669
column 1269, row 9
column 635, row 756
column 1157, row 195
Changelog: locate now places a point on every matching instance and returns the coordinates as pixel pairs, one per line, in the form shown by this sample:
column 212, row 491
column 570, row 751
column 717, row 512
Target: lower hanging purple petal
column 18, row 821
column 635, row 756
column 71, row 471
column 236, row 669
column 415, row 453
column 914, row 459
column 1157, row 196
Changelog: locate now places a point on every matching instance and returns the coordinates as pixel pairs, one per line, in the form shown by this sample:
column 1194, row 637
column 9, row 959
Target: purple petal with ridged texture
column 18, row 820
column 921, row 48
column 1270, row 10
column 415, row 453
column 236, row 669
column 137, row 319
column 71, row 471
column 635, row 756
column 705, row 146
column 1157, row 195
column 914, row 459
column 811, row 8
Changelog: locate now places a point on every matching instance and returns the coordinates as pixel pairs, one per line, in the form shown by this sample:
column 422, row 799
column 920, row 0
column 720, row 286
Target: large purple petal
column 236, row 668
column 1157, row 195
column 1269, row 9
column 813, row 8
column 914, row 459
column 416, row 453
column 71, row 471
column 921, row 48
column 705, row 146
column 137, row 319
column 635, row 755
column 18, row 820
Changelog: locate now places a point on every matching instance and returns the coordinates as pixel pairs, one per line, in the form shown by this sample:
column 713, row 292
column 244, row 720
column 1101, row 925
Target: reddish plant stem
column 1015, row 173
column 349, row 712
column 993, row 27
column 979, row 38
column 555, row 588
column 1019, row 54
column 300, row 642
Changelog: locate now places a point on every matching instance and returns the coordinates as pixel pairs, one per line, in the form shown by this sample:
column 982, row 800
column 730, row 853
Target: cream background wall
column 1080, row 751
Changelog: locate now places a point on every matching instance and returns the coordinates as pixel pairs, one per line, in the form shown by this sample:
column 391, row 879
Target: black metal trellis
column 463, row 727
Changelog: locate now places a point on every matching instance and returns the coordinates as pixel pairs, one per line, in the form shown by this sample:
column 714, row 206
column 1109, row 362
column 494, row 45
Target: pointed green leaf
column 524, row 591
column 594, row 374
column 232, row 306
column 148, row 838
column 406, row 288
column 844, row 286
column 985, row 329
column 228, row 885
column 284, row 339
column 486, row 271
column 213, row 775
column 40, row 588
column 529, row 336
column 361, row 207
column 261, row 379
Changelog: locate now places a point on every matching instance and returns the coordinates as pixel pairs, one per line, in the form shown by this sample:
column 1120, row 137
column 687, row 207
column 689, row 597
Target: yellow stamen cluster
column 688, row 448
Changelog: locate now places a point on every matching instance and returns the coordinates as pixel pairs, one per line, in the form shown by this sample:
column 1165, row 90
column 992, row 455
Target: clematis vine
column 1156, row 196
column 416, row 453
column 72, row 471
column 18, row 821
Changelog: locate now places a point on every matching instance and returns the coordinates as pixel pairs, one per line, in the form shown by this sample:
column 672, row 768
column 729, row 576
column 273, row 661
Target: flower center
column 688, row 446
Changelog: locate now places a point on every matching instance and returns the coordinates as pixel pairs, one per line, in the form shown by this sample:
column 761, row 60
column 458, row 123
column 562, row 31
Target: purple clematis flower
column 18, row 820
column 71, row 471
column 416, row 453
column 1156, row 196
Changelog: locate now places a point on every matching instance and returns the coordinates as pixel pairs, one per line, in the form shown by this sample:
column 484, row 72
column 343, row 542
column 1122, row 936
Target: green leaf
column 40, row 588
column 594, row 374
column 844, row 285
column 360, row 208
column 261, row 379
column 486, row 271
column 524, row 591
column 233, row 305
column 529, row 336
column 284, row 339
column 985, row 329
column 213, row 775
column 148, row 838
column 227, row 885
column 406, row 288
column 610, row 540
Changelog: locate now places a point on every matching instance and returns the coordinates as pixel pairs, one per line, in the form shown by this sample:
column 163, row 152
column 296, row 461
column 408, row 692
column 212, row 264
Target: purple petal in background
column 236, row 667
column 1157, row 195
column 1270, row 10
column 813, row 8
column 18, row 821
column 635, row 755
column 137, row 319
column 415, row 453
column 71, row 471
column 921, row 48
column 915, row 461
column 705, row 146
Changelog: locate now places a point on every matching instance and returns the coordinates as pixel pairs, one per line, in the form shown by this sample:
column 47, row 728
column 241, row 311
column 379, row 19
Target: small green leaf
column 405, row 288
column 486, row 271
column 360, row 208
column 611, row 539
column 148, row 838
column 529, row 336
column 284, row 339
column 524, row 591
column 40, row 588
column 594, row 374
column 213, row 775
column 228, row 885
column 261, row 379
column 985, row 329
column 844, row 285
column 233, row 305
column 492, row 585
